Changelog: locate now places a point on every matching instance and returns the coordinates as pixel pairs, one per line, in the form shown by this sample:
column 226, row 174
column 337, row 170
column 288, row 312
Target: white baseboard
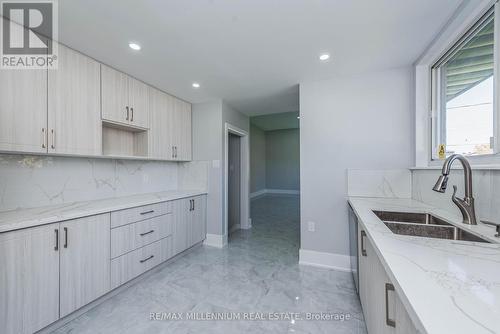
column 215, row 240
column 234, row 228
column 274, row 191
column 283, row 192
column 248, row 225
column 258, row 193
column 325, row 260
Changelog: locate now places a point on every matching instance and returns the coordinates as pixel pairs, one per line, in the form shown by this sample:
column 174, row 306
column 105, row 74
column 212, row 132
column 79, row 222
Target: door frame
column 245, row 222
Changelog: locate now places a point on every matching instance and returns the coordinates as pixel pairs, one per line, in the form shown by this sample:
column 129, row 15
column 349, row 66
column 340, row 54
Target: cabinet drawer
column 130, row 265
column 127, row 216
column 133, row 236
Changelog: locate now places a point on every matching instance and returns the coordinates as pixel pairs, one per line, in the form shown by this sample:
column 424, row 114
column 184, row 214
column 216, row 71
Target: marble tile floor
column 257, row 273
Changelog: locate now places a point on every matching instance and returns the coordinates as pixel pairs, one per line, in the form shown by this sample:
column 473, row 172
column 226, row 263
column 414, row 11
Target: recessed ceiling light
column 134, row 46
column 324, row 56
column 196, row 85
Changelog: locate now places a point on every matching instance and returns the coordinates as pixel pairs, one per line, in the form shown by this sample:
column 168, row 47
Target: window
column 464, row 90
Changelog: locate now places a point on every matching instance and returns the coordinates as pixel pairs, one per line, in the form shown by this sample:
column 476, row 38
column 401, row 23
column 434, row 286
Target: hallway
column 257, row 272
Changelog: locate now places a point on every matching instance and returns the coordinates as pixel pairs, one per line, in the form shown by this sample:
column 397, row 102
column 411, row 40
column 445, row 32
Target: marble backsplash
column 486, row 189
column 387, row 183
column 33, row 181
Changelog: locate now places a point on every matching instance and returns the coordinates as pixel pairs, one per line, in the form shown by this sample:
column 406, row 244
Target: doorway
column 237, row 180
column 234, row 183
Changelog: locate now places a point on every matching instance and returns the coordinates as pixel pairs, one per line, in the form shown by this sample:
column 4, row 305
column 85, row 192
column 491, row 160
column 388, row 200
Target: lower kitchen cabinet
column 198, row 220
column 29, row 279
column 190, row 222
column 131, row 265
column 84, row 260
column 50, row 271
column 383, row 310
column 182, row 214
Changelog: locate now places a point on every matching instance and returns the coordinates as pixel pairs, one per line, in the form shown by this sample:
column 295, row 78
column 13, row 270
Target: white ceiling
column 251, row 53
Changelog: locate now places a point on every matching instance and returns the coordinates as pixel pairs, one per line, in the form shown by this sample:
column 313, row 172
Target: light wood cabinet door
column 379, row 300
column 181, row 130
column 198, row 220
column 138, row 102
column 161, row 125
column 364, row 275
column 85, row 261
column 377, row 280
column 404, row 324
column 182, row 216
column 23, row 111
column 114, row 96
column 29, row 279
column 74, row 99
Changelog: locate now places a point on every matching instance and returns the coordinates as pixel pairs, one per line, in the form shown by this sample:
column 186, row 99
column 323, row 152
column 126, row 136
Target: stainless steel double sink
column 424, row 225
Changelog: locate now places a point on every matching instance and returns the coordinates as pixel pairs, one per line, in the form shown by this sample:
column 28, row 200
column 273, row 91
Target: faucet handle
column 455, row 199
column 487, row 222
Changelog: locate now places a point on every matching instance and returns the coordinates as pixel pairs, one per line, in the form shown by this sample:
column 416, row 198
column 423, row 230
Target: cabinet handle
column 126, row 108
column 146, row 233
column 53, row 145
column 65, row 237
column 44, row 138
column 56, row 248
column 193, row 204
column 173, row 152
column 363, row 250
column 389, row 322
column 132, row 113
column 147, row 212
column 147, row 259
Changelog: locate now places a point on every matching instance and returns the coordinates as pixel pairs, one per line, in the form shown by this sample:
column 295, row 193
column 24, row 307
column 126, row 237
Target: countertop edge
column 57, row 213
column 373, row 235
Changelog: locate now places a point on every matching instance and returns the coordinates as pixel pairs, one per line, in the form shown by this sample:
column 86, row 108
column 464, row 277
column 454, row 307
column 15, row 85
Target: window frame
column 437, row 85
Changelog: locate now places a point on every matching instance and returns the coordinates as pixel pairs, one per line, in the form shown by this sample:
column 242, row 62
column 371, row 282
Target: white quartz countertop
column 446, row 286
column 23, row 218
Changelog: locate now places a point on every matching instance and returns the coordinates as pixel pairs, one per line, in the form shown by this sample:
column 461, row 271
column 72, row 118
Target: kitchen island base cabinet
column 383, row 310
column 29, row 279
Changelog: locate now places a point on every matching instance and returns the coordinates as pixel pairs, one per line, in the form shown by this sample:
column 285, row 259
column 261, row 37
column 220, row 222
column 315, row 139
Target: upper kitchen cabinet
column 170, row 132
column 181, row 130
column 161, row 113
column 23, row 110
column 74, row 117
column 124, row 99
column 138, row 103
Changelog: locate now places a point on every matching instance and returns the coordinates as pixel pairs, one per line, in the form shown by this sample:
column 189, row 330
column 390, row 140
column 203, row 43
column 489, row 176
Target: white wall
column 257, row 159
column 283, row 159
column 363, row 121
column 207, row 127
column 208, row 145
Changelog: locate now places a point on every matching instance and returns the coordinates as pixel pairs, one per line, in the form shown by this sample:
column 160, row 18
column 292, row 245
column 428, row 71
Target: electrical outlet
column 311, row 226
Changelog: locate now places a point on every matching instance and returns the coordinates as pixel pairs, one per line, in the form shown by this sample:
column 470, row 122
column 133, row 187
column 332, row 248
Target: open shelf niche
column 124, row 141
